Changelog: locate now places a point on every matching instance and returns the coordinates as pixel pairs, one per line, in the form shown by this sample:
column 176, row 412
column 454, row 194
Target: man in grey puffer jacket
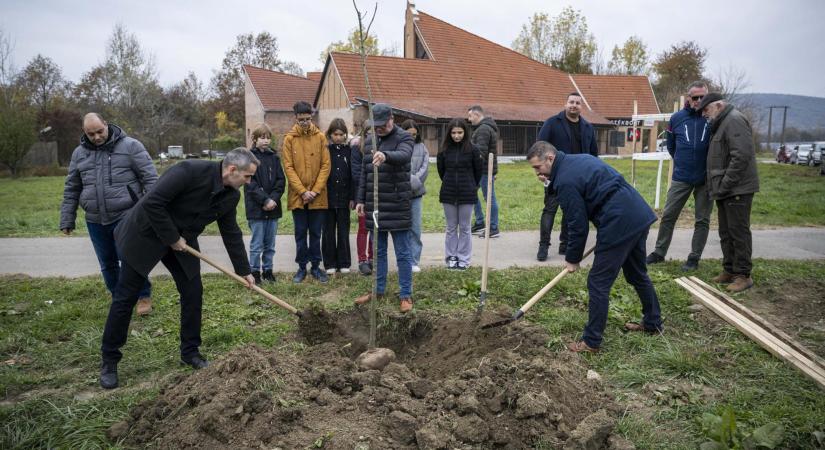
column 108, row 173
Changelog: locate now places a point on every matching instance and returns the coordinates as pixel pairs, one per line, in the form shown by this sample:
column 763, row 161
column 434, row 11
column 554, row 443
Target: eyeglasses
column 696, row 98
column 305, row 119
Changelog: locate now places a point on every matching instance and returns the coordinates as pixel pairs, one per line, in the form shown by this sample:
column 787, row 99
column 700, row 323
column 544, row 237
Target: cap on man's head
column 710, row 98
column 382, row 113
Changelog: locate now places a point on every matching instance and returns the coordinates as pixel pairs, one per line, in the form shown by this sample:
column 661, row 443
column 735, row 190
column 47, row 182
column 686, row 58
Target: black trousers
column 735, row 233
column 125, row 297
column 335, row 244
column 548, row 217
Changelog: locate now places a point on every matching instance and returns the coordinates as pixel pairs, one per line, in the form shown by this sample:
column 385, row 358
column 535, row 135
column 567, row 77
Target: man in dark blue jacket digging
column 589, row 190
column 688, row 137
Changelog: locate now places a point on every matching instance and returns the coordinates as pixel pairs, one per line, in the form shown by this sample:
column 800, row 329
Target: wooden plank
column 759, row 320
column 757, row 334
column 757, row 329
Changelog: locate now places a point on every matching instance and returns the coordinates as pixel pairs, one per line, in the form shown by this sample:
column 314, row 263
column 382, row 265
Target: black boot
column 196, row 362
column 108, row 375
column 268, row 276
column 542, row 253
column 562, row 248
column 257, row 277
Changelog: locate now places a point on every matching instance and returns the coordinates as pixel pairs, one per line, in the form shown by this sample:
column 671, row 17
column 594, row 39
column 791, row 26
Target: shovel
column 520, row 312
column 482, row 298
column 242, row 280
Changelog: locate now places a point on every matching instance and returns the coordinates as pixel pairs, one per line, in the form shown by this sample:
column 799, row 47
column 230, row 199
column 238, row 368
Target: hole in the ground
column 451, row 386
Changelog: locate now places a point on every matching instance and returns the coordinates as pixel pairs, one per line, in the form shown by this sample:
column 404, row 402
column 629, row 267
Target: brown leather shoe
column 366, row 298
column 724, row 277
column 639, row 328
column 581, row 346
column 144, row 306
column 740, row 283
column 406, row 305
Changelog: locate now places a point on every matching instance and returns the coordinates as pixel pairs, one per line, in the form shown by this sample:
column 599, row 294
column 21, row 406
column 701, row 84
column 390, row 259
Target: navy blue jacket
column 557, row 132
column 590, row 190
column 688, row 138
column 268, row 183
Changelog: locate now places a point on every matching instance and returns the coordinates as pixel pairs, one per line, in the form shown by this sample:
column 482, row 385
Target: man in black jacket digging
column 188, row 197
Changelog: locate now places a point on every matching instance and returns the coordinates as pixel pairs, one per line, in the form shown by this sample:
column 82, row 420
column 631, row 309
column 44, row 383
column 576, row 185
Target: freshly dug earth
column 451, row 386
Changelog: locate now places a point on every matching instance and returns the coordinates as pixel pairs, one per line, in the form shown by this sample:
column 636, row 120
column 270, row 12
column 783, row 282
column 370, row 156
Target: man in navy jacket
column 570, row 133
column 591, row 191
column 688, row 137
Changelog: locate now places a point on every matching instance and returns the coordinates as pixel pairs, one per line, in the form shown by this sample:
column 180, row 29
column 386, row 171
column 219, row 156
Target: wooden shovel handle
column 550, row 285
column 241, row 279
column 489, row 201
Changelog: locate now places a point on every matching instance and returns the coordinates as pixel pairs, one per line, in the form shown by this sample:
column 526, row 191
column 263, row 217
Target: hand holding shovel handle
column 241, row 280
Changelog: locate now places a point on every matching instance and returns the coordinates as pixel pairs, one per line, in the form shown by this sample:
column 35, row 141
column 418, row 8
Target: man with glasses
column 307, row 166
column 688, row 137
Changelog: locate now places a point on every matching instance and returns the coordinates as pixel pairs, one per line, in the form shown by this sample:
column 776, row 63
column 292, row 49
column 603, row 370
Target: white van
column 816, row 154
column 175, row 151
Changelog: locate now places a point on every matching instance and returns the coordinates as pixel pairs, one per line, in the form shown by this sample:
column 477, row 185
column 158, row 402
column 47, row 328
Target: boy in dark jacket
column 591, row 191
column 340, row 196
column 262, row 199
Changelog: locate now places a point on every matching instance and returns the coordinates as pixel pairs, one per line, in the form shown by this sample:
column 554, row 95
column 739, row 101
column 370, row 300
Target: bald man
column 108, row 174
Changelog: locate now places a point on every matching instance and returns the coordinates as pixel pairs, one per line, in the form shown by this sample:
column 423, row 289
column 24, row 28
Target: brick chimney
column 410, row 18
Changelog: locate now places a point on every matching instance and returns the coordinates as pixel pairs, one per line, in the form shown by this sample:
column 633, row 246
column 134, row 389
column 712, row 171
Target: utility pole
column 784, row 118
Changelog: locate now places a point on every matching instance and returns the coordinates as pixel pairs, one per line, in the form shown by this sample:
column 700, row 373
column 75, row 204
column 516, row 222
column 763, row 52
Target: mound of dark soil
column 452, row 386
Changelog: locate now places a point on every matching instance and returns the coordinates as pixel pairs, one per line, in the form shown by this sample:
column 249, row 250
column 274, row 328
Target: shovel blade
column 500, row 323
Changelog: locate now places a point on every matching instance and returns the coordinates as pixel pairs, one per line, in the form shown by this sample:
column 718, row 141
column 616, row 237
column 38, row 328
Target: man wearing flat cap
column 392, row 215
column 732, row 180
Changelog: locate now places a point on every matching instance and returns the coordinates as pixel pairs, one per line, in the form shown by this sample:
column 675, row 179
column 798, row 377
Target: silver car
column 816, row 153
column 803, row 154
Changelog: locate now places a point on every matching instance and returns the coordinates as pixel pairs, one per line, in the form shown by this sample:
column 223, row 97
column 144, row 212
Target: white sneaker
column 345, row 270
column 416, row 269
column 330, row 271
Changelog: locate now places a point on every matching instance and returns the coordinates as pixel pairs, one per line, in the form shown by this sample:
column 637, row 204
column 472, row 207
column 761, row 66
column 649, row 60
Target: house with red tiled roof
column 446, row 69
column 269, row 96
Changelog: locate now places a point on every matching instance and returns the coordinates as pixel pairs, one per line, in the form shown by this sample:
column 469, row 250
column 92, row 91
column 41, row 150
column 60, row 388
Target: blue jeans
column 401, row 242
column 103, row 241
column 629, row 257
column 309, row 225
column 480, row 208
column 262, row 245
column 415, row 231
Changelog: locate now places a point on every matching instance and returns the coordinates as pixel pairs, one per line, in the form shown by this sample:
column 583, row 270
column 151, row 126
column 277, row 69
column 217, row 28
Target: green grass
column 790, row 196
column 52, row 329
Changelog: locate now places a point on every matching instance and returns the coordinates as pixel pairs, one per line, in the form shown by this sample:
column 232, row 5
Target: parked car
column 793, row 156
column 803, row 154
column 783, row 154
column 816, row 154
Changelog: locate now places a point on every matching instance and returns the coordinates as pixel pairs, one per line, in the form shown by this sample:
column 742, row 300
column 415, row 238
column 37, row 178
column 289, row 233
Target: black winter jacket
column 106, row 181
column 485, row 137
column 268, row 183
column 460, row 173
column 187, row 198
column 340, row 188
column 394, row 190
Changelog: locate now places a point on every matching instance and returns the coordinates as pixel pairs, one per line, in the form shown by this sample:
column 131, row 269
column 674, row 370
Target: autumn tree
column 629, row 59
column 563, row 42
column 259, row 50
column 674, row 69
column 351, row 45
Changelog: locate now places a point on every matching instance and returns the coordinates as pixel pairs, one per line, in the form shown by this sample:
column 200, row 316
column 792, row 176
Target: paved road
column 74, row 256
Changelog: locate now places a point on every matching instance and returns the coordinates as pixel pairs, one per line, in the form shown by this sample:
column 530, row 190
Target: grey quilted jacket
column 106, row 181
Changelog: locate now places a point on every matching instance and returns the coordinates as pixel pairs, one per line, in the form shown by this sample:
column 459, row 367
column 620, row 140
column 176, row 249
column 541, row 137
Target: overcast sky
column 778, row 44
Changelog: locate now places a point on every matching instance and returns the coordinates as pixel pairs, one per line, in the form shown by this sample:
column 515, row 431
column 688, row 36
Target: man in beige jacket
column 306, row 165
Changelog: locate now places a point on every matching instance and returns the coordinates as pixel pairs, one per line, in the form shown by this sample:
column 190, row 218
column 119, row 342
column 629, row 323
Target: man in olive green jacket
column 732, row 180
